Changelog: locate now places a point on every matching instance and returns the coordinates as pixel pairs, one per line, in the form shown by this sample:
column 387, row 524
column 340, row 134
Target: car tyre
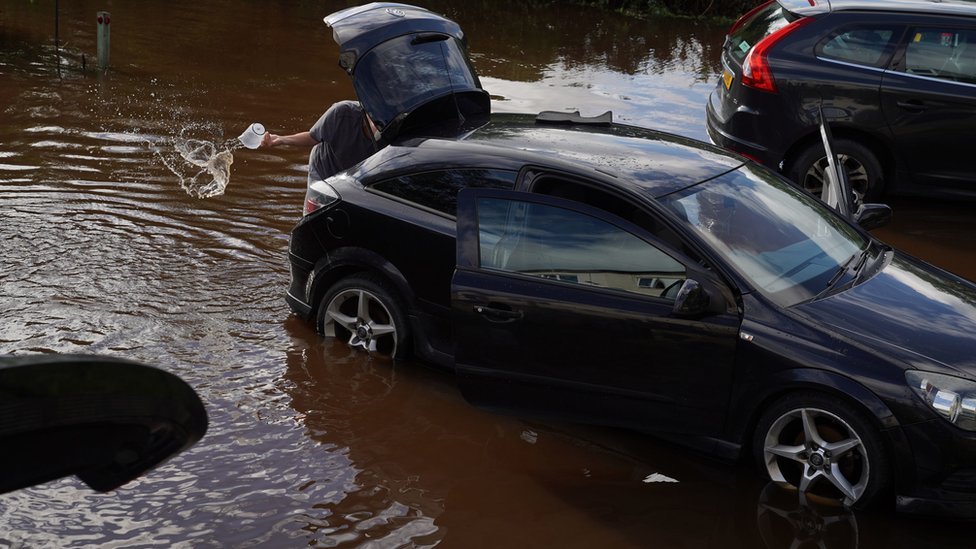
column 365, row 312
column 863, row 169
column 824, row 447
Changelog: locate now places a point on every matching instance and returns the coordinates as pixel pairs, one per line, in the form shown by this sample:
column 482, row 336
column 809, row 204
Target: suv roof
column 815, row 7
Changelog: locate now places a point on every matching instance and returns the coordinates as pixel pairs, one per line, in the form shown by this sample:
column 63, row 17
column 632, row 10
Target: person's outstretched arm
column 303, row 139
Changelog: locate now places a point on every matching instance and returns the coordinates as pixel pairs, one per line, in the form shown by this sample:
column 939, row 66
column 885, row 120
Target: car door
column 929, row 102
column 563, row 310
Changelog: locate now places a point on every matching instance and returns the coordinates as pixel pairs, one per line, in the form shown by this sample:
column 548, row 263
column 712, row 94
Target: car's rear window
column 438, row 190
column 763, row 23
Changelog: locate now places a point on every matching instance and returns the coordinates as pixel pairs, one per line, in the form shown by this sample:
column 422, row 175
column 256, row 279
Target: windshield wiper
column 853, row 265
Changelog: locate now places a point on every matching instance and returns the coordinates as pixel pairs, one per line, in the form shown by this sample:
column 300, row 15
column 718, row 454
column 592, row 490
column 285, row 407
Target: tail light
column 755, row 69
column 319, row 195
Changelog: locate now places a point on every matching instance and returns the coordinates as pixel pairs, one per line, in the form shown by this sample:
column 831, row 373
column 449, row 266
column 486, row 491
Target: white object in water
column 252, row 136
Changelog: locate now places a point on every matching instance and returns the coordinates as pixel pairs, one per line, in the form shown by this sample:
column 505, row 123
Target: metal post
column 57, row 39
column 104, row 35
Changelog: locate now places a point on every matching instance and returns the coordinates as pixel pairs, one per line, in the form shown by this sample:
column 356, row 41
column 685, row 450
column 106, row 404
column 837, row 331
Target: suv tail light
column 755, row 69
column 319, row 195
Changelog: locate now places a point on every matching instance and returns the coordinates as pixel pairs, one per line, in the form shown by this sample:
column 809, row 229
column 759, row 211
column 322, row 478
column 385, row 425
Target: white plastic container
column 252, row 136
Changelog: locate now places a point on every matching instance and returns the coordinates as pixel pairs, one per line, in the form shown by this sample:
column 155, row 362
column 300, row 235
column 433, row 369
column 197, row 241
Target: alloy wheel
column 857, row 174
column 361, row 316
column 817, row 452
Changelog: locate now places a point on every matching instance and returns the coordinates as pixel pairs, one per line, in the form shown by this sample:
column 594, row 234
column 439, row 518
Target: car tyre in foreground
column 863, row 169
column 364, row 312
column 822, row 446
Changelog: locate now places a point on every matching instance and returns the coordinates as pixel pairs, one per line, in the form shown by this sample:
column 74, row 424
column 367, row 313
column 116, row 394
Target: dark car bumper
column 297, row 297
column 730, row 133
column 945, row 465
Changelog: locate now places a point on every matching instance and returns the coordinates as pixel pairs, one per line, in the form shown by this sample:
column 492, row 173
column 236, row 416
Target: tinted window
column 942, row 53
column 399, row 75
column 438, row 190
column 763, row 23
column 864, row 46
column 568, row 246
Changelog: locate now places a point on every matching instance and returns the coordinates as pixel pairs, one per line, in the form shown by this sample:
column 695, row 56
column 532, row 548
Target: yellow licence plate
column 727, row 78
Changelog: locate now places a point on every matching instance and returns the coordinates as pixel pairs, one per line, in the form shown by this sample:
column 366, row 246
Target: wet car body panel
column 643, row 369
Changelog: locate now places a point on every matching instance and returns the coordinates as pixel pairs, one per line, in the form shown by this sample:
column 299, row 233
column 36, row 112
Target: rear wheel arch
column 345, row 262
column 881, row 151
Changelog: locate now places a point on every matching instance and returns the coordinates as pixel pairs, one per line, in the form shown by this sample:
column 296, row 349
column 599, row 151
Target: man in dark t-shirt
column 341, row 138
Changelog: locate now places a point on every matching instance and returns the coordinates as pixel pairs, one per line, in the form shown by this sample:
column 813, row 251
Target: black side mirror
column 873, row 216
column 106, row 420
column 694, row 300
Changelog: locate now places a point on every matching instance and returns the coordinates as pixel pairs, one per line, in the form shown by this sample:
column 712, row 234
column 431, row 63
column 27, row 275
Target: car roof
column 642, row 160
column 946, row 7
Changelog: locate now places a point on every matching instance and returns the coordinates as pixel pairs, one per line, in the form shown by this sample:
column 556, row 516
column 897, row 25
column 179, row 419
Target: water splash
column 203, row 166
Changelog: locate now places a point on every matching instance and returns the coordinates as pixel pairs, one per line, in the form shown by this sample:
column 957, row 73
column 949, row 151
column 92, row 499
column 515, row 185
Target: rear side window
column 438, row 190
column 861, row 45
column 945, row 53
column 764, row 22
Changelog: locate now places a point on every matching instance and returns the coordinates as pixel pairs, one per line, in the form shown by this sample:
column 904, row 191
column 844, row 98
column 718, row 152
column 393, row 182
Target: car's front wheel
column 864, row 171
column 364, row 312
column 822, row 446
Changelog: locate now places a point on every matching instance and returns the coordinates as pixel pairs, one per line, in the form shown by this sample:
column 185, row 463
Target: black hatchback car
column 896, row 79
column 576, row 268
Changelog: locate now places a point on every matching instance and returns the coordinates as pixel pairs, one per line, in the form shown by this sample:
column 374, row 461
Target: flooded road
column 104, row 251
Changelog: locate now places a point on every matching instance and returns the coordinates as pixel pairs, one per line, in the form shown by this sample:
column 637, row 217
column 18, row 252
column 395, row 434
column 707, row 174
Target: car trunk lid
column 409, row 66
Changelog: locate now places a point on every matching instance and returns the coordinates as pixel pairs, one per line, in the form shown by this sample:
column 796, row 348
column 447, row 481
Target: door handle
column 912, row 105
column 496, row 314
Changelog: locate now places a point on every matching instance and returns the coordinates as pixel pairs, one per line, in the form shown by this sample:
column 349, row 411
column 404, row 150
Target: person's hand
column 269, row 140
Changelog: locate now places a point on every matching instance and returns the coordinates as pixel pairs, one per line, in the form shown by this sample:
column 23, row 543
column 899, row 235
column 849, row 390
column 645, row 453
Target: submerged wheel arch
column 343, row 262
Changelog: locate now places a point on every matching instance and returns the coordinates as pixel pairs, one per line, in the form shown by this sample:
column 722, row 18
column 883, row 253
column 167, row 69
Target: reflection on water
column 310, row 444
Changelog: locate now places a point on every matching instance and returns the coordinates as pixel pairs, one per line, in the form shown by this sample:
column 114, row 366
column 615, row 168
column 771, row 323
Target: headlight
column 319, row 195
column 953, row 398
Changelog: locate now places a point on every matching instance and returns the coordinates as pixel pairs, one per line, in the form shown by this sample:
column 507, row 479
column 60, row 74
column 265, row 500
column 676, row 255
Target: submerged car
column 897, row 81
column 575, row 268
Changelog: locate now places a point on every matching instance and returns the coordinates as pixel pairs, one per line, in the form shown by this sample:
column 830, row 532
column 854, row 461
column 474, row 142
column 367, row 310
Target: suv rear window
column 764, row 22
column 438, row 190
column 860, row 45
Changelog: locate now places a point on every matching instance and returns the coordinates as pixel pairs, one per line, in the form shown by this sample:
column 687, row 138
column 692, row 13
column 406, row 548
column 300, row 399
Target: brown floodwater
column 105, row 250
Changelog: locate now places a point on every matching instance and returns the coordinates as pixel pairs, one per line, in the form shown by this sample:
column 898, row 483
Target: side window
column 438, row 190
column 571, row 247
column 860, row 45
column 942, row 53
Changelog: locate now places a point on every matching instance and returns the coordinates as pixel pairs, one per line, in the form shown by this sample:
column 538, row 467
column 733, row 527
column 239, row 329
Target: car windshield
column 786, row 242
column 764, row 22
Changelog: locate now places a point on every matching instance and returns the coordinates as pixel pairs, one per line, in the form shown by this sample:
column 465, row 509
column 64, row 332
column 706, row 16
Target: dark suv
column 896, row 80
